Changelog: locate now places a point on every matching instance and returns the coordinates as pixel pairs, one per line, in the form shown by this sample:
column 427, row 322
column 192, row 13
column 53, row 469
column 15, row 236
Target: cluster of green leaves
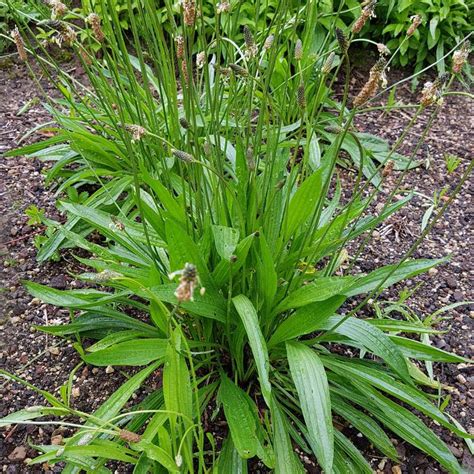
column 228, row 163
column 444, row 24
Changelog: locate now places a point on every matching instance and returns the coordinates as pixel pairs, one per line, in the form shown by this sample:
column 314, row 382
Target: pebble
column 458, row 296
column 57, row 440
column 461, row 379
column 451, row 282
column 457, row 452
column 433, row 271
column 53, row 350
column 18, row 454
column 109, row 369
column 75, row 392
column 396, row 470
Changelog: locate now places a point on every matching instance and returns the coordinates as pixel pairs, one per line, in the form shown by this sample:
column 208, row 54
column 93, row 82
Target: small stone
column 59, row 282
column 433, row 271
column 396, row 470
column 35, row 301
column 461, row 379
column 14, row 231
column 451, row 282
column 382, row 463
column 75, row 392
column 53, row 350
column 109, row 369
column 57, row 440
column 95, row 370
column 456, row 451
column 458, row 296
column 18, row 454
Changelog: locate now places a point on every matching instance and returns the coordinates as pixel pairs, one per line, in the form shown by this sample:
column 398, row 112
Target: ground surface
column 46, row 362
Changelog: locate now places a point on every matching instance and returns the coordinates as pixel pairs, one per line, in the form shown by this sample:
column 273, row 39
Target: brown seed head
column 239, row 70
column 269, row 42
column 94, row 20
column 250, row 46
column 383, row 50
column 129, row 436
column 299, row 50
column 327, row 66
column 367, row 12
column 223, row 7
column 460, row 57
column 300, row 96
column 67, row 35
column 20, row 45
column 137, row 132
column 189, row 12
column 184, row 70
column 388, row 168
column 431, row 93
column 58, row 9
column 179, row 42
column 200, row 59
column 415, row 23
column 371, row 86
column 342, row 40
column 187, row 283
column 183, row 156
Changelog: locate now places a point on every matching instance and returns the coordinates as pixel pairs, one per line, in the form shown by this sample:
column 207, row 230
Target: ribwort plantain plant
column 214, row 159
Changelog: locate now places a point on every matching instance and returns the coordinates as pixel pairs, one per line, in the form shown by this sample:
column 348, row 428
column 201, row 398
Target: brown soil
column 46, row 362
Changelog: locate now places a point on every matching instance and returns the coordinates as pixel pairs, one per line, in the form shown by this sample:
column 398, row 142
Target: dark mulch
column 46, row 362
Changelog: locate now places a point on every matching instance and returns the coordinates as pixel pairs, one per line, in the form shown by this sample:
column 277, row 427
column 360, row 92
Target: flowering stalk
column 366, row 14
column 371, row 86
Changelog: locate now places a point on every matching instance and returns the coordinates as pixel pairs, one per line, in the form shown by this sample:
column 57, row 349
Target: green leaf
column 383, row 381
column 407, row 425
column 31, row 413
column 226, row 240
column 321, row 289
column 114, row 338
column 311, row 383
column 391, row 274
column 366, row 425
column 372, row 339
column 136, row 352
column 303, row 203
column 71, row 298
column 229, row 459
column 183, row 249
column 110, row 408
column 306, row 319
column 286, row 461
column 360, row 465
column 419, row 351
column 107, row 452
column 240, row 418
column 266, row 273
column 210, row 305
column 159, row 455
column 249, row 317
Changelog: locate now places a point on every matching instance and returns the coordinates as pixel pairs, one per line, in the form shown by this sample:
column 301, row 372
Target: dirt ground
column 46, row 362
